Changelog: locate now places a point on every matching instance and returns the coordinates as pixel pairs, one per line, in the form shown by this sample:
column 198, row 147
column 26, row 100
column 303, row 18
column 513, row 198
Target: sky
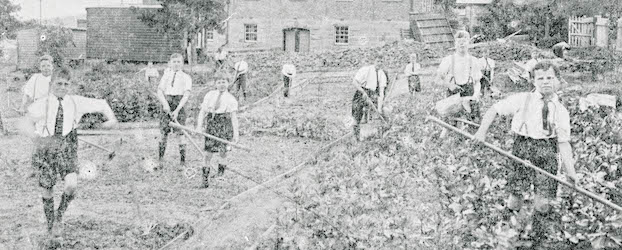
column 59, row 8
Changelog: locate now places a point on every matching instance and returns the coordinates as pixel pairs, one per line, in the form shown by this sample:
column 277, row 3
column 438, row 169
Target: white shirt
column 369, row 77
column 227, row 102
column 289, row 70
column 527, row 117
column 241, row 67
column 74, row 107
column 37, row 87
column 460, row 67
column 151, row 72
column 177, row 86
column 220, row 56
column 411, row 69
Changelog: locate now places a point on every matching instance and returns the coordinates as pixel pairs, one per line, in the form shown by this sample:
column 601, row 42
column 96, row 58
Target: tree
column 8, row 22
column 187, row 17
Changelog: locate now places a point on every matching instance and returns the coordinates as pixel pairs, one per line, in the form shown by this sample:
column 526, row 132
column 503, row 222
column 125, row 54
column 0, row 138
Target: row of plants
column 412, row 190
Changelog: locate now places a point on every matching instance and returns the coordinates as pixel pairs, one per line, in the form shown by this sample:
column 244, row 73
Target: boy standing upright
column 541, row 125
column 151, row 73
column 173, row 93
column 288, row 71
column 38, row 86
column 412, row 72
column 240, row 79
column 52, row 123
column 373, row 81
column 218, row 111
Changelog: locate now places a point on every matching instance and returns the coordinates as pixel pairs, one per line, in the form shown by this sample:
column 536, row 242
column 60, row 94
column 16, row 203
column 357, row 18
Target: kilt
column 55, row 155
column 467, row 90
column 219, row 125
column 173, row 102
column 543, row 154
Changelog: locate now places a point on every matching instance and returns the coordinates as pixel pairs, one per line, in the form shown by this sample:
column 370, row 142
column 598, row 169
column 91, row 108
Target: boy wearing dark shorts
column 241, row 77
column 218, row 113
column 173, row 93
column 412, row 72
column 288, row 71
column 51, row 122
column 373, row 80
column 541, row 125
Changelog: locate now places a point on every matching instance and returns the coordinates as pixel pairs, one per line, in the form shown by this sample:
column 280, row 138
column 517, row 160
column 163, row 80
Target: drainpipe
column 229, row 3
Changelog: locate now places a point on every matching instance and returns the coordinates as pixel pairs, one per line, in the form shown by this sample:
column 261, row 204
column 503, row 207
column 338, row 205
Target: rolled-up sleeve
column 188, row 83
column 29, row 87
column 361, row 75
column 85, row 105
column 510, row 105
column 563, row 125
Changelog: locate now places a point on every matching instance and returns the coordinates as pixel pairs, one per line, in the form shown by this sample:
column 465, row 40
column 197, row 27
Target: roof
column 127, row 6
column 474, row 1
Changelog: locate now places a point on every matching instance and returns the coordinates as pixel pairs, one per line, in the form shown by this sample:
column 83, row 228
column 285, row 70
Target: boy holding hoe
column 218, row 113
column 541, row 125
column 173, row 93
column 371, row 82
column 51, row 122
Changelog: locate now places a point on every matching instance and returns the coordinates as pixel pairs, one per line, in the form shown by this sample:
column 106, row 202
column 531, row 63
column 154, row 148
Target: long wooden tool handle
column 539, row 170
column 369, row 101
column 95, row 145
column 179, row 126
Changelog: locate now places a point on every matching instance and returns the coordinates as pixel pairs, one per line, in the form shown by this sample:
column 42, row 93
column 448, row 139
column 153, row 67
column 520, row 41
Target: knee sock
column 162, row 149
column 182, row 153
column 48, row 209
column 221, row 169
column 64, row 203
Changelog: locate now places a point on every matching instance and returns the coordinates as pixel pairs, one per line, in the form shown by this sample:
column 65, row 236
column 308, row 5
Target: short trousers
column 219, row 125
column 541, row 153
column 173, row 102
column 414, row 83
column 359, row 104
column 55, row 155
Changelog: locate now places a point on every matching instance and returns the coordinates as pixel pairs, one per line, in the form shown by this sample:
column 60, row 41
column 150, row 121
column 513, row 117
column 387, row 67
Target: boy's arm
column 487, row 120
column 565, row 150
column 92, row 105
column 234, row 122
column 160, row 95
column 26, row 98
column 200, row 119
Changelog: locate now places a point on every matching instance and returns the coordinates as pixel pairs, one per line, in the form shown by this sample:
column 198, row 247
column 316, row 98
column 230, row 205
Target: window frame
column 341, row 36
column 248, row 33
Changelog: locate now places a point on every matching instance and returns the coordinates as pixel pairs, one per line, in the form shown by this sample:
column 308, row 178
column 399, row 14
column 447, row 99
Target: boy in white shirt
column 412, row 71
column 288, row 71
column 240, row 78
column 218, row 113
column 38, row 86
column 373, row 80
column 173, row 93
column 52, row 122
column 151, row 73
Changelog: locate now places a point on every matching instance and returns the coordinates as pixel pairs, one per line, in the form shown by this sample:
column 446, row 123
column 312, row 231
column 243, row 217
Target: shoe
column 221, row 170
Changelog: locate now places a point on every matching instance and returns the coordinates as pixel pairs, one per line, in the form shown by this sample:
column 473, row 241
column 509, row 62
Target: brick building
column 303, row 25
column 28, row 41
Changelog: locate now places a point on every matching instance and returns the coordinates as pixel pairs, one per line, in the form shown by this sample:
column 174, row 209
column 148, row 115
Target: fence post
column 601, row 31
column 619, row 44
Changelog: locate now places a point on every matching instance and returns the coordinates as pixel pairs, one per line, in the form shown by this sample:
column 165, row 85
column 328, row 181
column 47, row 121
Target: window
column 250, row 32
column 209, row 35
column 342, row 34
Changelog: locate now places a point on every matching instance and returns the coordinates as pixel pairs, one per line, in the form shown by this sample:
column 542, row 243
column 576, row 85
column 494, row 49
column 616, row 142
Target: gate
column 581, row 31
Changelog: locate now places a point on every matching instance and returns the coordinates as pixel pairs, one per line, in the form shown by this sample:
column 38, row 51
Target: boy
column 173, row 93
column 289, row 71
column 373, row 80
column 38, row 86
column 218, row 111
column 461, row 73
column 219, row 57
column 241, row 70
column 488, row 72
column 412, row 71
column 51, row 122
column 151, row 73
column 541, row 125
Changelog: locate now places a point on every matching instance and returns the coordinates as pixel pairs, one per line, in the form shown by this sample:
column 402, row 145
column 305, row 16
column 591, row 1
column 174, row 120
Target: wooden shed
column 116, row 33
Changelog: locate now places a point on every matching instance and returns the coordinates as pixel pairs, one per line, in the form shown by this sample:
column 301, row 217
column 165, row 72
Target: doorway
column 296, row 40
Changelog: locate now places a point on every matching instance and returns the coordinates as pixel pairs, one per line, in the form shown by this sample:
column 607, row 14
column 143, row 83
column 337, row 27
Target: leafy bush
column 56, row 40
column 381, row 194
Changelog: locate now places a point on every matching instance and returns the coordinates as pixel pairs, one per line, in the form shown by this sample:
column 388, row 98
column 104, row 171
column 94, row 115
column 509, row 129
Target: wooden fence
column 588, row 31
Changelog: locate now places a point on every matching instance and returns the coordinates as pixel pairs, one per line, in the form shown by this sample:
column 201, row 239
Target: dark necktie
column 173, row 81
column 58, row 127
column 545, row 115
column 217, row 105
